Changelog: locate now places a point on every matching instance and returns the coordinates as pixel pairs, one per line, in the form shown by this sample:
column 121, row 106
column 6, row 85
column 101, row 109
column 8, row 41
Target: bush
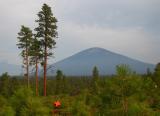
column 26, row 104
column 6, row 109
column 80, row 109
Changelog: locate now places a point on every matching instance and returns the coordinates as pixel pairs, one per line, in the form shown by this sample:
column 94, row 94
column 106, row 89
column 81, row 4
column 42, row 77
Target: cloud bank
column 128, row 27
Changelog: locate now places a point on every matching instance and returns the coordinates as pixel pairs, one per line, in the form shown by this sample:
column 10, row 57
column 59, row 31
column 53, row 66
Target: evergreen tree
column 149, row 73
column 36, row 57
column 157, row 71
column 24, row 39
column 156, row 75
column 59, row 78
column 46, row 30
column 5, row 85
column 95, row 74
column 65, row 85
column 123, row 71
column 95, row 79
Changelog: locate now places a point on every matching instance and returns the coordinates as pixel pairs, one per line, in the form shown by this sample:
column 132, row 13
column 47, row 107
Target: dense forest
column 123, row 94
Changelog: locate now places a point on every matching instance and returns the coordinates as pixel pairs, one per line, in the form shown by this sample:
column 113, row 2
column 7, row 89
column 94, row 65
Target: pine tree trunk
column 45, row 70
column 37, row 77
column 27, row 68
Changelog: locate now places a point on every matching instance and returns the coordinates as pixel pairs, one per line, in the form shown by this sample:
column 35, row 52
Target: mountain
column 10, row 68
column 83, row 62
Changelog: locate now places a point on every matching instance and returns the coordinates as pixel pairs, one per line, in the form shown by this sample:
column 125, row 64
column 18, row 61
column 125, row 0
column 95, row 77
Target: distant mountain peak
column 83, row 62
column 95, row 49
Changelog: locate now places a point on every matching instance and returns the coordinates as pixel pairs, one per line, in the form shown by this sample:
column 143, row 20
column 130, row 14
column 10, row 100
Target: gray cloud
column 113, row 13
column 130, row 27
column 132, row 42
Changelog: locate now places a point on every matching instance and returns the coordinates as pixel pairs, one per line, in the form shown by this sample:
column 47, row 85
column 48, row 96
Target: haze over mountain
column 10, row 68
column 83, row 62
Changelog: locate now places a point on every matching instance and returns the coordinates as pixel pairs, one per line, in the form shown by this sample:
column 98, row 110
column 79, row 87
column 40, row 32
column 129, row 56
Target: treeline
column 124, row 94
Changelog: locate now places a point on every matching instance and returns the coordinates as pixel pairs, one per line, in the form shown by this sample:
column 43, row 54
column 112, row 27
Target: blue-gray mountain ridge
column 10, row 68
column 106, row 61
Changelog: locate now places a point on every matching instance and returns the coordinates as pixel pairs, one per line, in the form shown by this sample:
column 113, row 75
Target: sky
column 127, row 27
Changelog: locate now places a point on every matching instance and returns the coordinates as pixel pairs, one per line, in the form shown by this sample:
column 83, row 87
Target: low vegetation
column 123, row 94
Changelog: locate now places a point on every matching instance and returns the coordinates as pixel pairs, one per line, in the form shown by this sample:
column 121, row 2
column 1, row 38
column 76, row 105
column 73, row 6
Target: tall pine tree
column 24, row 43
column 46, row 31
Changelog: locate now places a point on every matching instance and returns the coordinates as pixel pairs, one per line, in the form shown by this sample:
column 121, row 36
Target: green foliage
column 123, row 70
column 5, row 108
column 7, row 111
column 5, row 85
column 35, row 51
column 95, row 80
column 24, row 38
column 25, row 104
column 80, row 109
column 95, row 74
column 59, row 78
column 34, row 107
column 157, row 70
column 59, row 75
column 47, row 28
column 156, row 75
column 20, row 99
column 24, row 43
column 125, row 94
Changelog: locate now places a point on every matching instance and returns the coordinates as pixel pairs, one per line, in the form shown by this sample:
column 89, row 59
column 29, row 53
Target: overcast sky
column 127, row 27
